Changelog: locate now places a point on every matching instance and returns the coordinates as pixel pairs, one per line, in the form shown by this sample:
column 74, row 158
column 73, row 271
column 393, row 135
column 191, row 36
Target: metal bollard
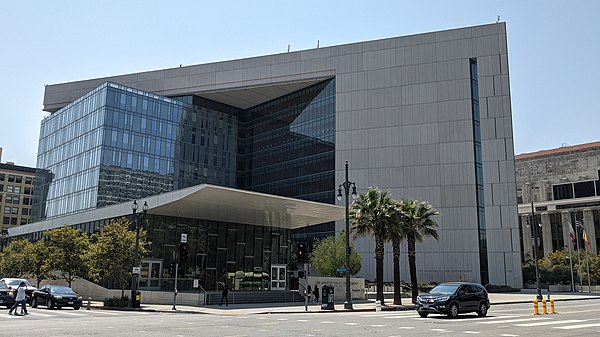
column 377, row 305
column 536, row 310
column 89, row 304
column 552, row 306
column 544, row 308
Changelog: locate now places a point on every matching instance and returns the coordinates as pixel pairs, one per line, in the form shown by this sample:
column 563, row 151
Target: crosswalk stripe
column 104, row 312
column 36, row 313
column 67, row 313
column 580, row 326
column 512, row 320
column 553, row 323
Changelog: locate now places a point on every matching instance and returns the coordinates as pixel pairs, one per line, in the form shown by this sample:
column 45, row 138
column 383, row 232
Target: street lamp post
column 134, row 208
column 535, row 252
column 346, row 186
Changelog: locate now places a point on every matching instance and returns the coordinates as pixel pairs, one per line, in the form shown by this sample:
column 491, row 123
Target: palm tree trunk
column 379, row 267
column 397, row 290
column 412, row 263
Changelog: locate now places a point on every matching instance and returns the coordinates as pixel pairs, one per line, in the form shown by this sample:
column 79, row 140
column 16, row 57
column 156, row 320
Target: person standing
column 316, row 294
column 20, row 299
column 224, row 295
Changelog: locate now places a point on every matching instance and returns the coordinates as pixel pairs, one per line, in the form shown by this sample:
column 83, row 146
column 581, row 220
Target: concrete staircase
column 241, row 297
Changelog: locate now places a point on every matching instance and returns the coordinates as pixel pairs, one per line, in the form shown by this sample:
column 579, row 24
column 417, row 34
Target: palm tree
column 417, row 225
column 369, row 215
column 396, row 235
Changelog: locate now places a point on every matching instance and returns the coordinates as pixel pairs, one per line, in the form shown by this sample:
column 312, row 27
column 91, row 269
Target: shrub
column 117, row 302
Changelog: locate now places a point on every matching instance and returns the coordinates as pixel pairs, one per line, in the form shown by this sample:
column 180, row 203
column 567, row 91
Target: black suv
column 6, row 295
column 454, row 298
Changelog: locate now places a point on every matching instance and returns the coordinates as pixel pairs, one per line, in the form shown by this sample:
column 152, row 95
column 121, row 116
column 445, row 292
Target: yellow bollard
column 544, row 308
column 536, row 310
column 552, row 306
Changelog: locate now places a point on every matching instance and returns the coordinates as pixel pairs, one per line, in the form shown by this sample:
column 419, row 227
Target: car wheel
column 483, row 309
column 423, row 314
column 34, row 303
column 453, row 310
column 76, row 308
column 50, row 304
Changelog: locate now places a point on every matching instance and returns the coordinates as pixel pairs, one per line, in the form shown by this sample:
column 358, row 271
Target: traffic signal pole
column 175, row 290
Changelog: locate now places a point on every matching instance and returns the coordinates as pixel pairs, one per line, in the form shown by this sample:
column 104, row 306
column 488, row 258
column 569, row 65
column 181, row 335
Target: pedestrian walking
column 224, row 295
column 309, row 293
column 316, row 294
column 20, row 299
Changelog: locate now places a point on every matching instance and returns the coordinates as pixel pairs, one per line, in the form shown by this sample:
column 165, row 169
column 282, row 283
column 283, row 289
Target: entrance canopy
column 211, row 203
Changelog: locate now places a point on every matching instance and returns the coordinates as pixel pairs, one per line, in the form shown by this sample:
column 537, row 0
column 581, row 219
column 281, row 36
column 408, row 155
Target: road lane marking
column 326, row 322
column 378, row 325
column 35, row 313
column 508, row 335
column 104, row 312
column 472, row 332
column 351, row 323
column 301, row 320
column 580, row 326
column 67, row 313
column 512, row 320
column 553, row 323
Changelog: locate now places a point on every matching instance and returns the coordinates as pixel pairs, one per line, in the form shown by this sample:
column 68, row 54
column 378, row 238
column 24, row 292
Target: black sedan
column 6, row 296
column 454, row 298
column 56, row 297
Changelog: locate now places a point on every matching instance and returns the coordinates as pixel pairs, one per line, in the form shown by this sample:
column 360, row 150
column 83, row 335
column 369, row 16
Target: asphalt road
column 575, row 318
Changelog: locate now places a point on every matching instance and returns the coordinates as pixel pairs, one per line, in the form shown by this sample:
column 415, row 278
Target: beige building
column 16, row 194
column 563, row 185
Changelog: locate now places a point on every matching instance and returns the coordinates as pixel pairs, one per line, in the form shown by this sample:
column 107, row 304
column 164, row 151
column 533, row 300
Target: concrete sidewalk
column 359, row 305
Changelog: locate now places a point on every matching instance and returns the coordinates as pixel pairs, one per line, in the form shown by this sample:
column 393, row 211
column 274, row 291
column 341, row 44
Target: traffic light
column 183, row 251
column 301, row 252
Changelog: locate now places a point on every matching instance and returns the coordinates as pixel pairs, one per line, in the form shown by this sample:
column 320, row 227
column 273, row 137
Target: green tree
column 13, row 261
column 396, row 235
column 36, row 262
column 417, row 226
column 111, row 256
column 67, row 250
column 370, row 215
column 330, row 254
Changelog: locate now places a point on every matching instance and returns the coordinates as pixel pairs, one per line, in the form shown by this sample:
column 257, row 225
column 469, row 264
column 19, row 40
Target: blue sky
column 554, row 49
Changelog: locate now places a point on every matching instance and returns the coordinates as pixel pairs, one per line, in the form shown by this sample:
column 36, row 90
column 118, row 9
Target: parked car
column 56, row 297
column 6, row 297
column 454, row 298
column 13, row 284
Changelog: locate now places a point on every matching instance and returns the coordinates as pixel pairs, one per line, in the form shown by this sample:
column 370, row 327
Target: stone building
column 562, row 187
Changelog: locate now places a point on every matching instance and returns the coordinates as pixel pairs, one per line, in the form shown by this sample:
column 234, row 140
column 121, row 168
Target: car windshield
column 17, row 282
column 62, row 290
column 2, row 284
column 444, row 289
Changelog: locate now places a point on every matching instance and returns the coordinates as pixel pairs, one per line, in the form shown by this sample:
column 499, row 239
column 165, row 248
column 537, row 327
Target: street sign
column 183, row 238
column 136, row 270
column 342, row 270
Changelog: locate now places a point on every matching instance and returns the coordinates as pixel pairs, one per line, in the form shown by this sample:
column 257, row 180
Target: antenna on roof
column 317, row 43
column 288, row 48
column 498, row 19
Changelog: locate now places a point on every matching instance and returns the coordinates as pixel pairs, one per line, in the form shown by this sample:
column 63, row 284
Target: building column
column 547, row 233
column 588, row 225
column 565, row 223
column 527, row 249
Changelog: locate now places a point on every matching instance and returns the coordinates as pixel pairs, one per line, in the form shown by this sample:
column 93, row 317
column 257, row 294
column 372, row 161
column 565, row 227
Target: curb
column 265, row 311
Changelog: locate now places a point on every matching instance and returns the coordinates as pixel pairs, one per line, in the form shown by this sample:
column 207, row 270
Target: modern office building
column 425, row 116
column 16, row 194
column 562, row 185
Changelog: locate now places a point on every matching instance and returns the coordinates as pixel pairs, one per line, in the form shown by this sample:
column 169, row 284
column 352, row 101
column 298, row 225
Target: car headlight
column 58, row 297
column 79, row 298
column 445, row 298
column 419, row 299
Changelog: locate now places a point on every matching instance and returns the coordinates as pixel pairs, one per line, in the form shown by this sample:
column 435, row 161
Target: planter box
column 554, row 288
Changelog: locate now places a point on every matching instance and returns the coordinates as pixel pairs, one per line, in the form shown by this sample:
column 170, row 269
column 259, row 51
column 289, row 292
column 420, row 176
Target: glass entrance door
column 150, row 274
column 278, row 276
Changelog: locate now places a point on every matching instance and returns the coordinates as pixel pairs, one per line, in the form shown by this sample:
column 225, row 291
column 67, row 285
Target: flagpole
column 571, row 259
column 578, row 256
